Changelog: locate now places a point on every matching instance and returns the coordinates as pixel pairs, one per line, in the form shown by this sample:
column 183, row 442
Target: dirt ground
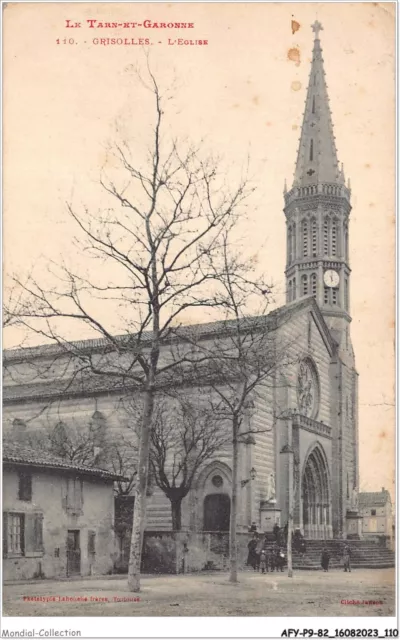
column 308, row 593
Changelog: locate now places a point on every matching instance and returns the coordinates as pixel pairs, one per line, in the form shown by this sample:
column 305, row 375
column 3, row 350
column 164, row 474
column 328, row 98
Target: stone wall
column 181, row 552
column 95, row 518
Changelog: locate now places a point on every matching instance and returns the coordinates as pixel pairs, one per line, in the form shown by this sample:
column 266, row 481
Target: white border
column 206, row 627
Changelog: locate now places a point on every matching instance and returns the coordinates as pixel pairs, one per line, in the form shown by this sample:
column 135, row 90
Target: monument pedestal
column 270, row 514
column 353, row 524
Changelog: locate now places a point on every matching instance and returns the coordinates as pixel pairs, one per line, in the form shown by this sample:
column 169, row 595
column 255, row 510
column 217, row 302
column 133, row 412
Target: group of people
column 280, row 534
column 264, row 558
column 326, row 557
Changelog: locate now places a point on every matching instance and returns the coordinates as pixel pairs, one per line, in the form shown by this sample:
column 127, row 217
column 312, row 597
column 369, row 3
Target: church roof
column 317, row 160
column 98, row 384
column 22, row 455
column 126, row 341
column 374, row 499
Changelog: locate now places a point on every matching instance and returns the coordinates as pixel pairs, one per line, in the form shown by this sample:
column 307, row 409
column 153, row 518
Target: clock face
column 331, row 278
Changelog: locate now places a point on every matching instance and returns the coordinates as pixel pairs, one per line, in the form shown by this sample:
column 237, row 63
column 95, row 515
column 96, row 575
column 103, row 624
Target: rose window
column 307, row 389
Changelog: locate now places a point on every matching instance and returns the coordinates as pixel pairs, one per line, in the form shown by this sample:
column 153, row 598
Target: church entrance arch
column 316, row 496
column 211, row 498
column 217, row 512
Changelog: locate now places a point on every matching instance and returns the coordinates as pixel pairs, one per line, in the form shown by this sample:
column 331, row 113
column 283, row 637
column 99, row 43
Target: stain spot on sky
column 294, row 55
column 295, row 26
column 296, row 85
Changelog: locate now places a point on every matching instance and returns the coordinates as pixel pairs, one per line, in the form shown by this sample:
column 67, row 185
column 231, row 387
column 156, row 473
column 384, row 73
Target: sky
column 67, row 95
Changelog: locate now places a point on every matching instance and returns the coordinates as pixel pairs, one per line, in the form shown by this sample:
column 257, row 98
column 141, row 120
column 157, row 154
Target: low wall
column 180, row 552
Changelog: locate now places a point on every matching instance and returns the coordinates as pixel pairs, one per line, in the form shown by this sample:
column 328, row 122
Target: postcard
column 199, row 319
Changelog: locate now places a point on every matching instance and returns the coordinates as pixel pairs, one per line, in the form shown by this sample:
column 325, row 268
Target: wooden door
column 73, row 553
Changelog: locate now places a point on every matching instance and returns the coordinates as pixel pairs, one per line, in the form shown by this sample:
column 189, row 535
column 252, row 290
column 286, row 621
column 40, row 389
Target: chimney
column 383, row 489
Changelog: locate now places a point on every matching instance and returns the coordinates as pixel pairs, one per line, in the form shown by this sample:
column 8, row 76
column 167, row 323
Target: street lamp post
column 253, row 474
column 288, row 448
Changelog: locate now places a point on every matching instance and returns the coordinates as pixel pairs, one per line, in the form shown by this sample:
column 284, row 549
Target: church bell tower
column 317, row 209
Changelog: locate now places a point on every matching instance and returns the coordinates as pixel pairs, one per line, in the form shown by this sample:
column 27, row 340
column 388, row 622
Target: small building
column 58, row 516
column 376, row 511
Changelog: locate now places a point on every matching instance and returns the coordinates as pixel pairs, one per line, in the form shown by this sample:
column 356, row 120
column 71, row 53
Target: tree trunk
column 176, row 512
column 139, row 513
column 232, row 532
column 290, row 505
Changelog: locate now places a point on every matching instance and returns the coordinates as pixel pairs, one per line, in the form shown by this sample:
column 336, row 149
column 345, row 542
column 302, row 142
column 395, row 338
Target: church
column 309, row 418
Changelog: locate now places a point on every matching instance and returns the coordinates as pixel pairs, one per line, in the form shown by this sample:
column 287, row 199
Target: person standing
column 252, row 558
column 263, row 561
column 347, row 558
column 325, row 558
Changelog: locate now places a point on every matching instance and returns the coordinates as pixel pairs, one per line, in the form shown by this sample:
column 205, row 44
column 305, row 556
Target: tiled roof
column 374, row 498
column 64, row 387
column 102, row 383
column 199, row 330
column 19, row 454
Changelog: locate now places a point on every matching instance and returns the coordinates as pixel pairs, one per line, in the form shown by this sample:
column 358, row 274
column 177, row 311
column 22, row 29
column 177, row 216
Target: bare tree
column 242, row 359
column 85, row 444
column 184, row 436
column 155, row 258
column 12, row 301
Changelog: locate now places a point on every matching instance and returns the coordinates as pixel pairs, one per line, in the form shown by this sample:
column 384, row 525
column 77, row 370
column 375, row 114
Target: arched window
column 334, row 296
column 294, row 241
column 346, row 294
column 326, row 295
column 311, row 150
column 294, row 288
column 289, row 245
column 335, row 238
column 326, row 236
column 304, row 285
column 98, row 425
column 59, row 440
column 313, row 279
column 304, row 232
column 314, row 245
column 289, row 295
column 19, row 429
column 346, row 242
column 313, row 109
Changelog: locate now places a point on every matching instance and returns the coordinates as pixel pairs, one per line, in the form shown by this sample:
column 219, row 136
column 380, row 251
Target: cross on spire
column 317, row 27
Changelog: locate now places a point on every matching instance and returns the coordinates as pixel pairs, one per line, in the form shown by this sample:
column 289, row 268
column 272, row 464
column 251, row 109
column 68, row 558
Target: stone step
column 363, row 554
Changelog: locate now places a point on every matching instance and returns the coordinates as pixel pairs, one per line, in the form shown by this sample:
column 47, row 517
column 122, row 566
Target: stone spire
column 317, row 158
